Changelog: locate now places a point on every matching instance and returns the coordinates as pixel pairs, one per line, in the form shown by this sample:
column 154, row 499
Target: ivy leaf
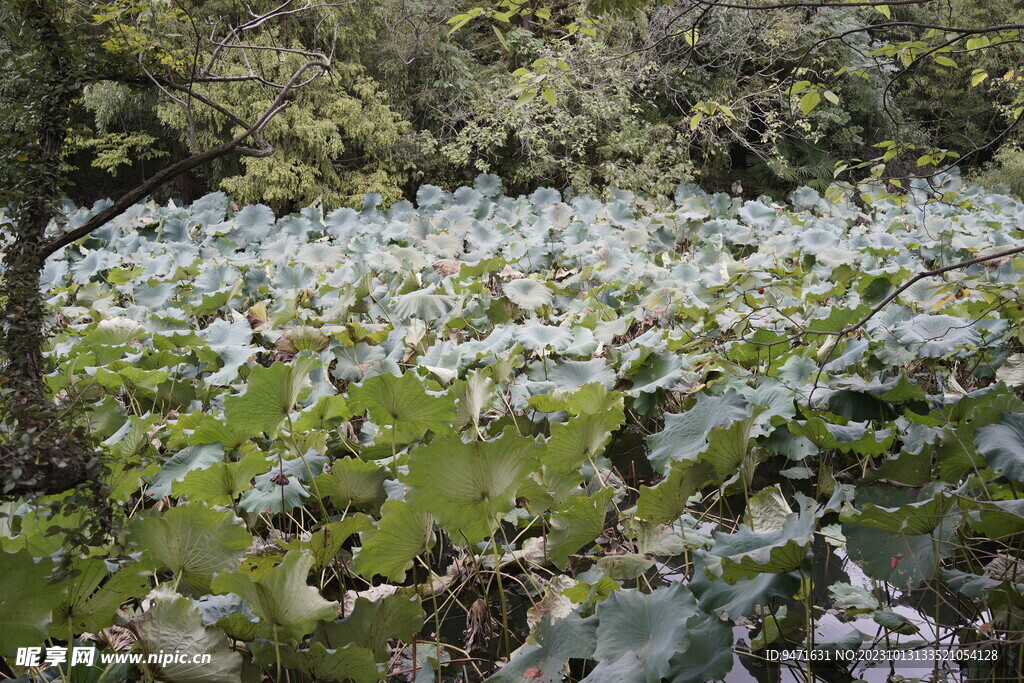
column 281, row 598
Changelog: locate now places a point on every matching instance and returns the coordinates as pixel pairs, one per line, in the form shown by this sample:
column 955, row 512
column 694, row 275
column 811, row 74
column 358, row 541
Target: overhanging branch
column 234, row 145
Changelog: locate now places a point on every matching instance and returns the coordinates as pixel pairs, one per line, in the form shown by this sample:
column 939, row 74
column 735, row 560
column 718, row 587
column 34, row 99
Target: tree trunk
column 38, row 451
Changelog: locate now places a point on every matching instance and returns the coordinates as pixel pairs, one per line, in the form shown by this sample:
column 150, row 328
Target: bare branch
column 808, row 5
column 232, row 146
column 910, row 283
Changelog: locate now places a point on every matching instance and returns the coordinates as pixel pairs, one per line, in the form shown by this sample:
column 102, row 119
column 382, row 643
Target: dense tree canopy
column 566, row 94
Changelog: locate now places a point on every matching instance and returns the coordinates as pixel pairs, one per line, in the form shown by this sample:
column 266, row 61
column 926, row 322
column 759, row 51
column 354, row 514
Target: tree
column 56, row 48
column 906, row 88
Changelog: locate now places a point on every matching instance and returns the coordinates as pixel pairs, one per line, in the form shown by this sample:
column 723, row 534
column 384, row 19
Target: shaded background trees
column 409, row 99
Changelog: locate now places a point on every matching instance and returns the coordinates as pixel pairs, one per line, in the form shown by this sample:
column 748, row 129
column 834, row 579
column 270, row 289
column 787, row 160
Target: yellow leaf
column 884, row 10
column 941, row 302
column 22, row 158
column 809, row 101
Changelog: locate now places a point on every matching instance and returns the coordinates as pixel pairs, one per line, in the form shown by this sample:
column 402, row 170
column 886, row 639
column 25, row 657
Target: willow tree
column 53, row 49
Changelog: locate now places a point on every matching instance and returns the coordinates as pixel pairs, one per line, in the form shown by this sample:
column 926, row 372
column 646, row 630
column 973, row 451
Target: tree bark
column 37, row 453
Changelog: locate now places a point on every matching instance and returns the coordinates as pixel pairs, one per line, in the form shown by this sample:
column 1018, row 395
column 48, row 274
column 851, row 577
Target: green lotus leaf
column 997, row 519
column 590, row 399
column 372, row 624
column 577, row 525
column 268, row 495
column 894, row 623
column 667, row 501
column 222, row 482
column 552, row 643
column 728, row 447
column 114, row 332
column 192, row 540
column 254, row 222
column 425, row 305
column 404, row 404
column 573, row 374
column 767, row 510
column 212, row 430
column 934, row 336
column 288, row 607
column 660, row 370
column 663, row 634
column 325, row 542
column 537, row 336
column 595, row 414
column 230, row 342
column 175, row 624
column 131, row 379
column 1002, row 444
column 528, row 294
column 910, row 519
column 327, row 413
column 302, row 338
column 319, row 663
column 468, row 486
column 270, row 395
column 353, row 483
column 181, row 463
column 742, row 599
column 273, row 499
column 94, row 595
column 401, row 534
column 747, row 553
column 903, row 561
column 475, row 396
column 685, row 434
column 27, row 600
column 853, row 599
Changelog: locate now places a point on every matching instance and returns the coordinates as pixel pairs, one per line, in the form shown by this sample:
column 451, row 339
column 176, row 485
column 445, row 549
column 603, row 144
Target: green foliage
column 350, row 441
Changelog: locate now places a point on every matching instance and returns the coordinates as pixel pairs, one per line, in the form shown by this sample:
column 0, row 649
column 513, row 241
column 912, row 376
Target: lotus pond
column 537, row 438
